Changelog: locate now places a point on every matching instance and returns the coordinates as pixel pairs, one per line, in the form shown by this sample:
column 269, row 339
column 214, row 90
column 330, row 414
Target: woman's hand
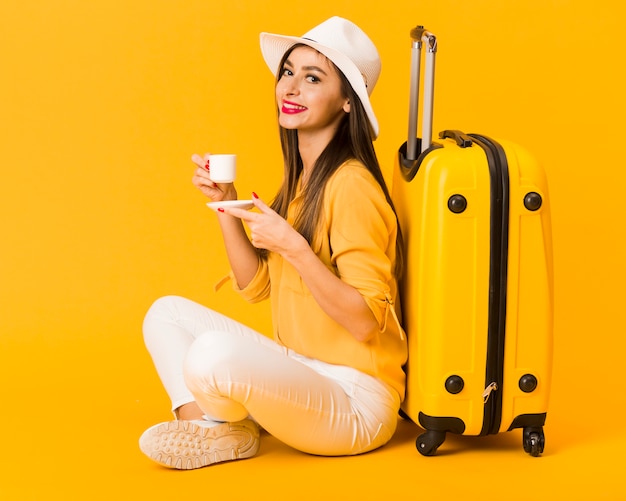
column 202, row 180
column 268, row 230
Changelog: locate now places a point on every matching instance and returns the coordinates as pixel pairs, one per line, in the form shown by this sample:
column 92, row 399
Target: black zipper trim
column 498, row 268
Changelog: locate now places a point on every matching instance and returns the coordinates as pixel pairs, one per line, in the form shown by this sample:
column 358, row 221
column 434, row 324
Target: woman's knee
column 211, row 374
column 162, row 311
column 163, row 308
column 211, row 354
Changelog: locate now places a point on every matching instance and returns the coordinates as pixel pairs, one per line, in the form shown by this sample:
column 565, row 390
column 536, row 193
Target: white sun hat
column 345, row 44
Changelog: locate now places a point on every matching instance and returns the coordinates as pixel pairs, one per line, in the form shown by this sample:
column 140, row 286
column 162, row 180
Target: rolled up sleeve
column 362, row 229
column 259, row 287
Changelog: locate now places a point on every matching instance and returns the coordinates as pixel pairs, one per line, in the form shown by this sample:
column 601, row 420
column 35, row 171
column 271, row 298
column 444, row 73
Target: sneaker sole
column 184, row 445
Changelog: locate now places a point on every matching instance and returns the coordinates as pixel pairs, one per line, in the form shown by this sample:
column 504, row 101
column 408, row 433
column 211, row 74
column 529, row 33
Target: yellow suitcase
column 477, row 292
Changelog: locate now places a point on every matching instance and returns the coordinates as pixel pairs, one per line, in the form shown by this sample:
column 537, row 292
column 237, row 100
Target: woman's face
column 308, row 94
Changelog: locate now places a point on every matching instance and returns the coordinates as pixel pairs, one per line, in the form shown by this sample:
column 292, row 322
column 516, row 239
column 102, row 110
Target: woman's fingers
column 201, row 161
column 198, row 160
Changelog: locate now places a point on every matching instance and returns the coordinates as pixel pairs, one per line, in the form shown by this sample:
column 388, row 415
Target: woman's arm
column 242, row 255
column 339, row 300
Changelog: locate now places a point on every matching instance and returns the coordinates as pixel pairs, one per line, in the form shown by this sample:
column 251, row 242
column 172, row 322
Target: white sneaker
column 186, row 445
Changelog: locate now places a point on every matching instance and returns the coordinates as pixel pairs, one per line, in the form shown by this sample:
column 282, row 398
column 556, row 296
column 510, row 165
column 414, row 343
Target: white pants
column 233, row 372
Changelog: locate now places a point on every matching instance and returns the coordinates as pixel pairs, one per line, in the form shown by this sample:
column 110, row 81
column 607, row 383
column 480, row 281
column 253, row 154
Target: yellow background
column 101, row 105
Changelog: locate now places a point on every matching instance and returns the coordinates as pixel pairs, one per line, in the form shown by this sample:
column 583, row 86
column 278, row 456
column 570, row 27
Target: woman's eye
column 312, row 79
column 286, row 72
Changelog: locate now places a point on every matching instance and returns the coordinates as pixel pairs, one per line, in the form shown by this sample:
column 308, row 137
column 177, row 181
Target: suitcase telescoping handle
column 419, row 37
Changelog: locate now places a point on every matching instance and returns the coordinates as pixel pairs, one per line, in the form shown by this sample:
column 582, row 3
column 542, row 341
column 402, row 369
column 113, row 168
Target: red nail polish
column 220, row 209
column 207, row 166
column 255, row 195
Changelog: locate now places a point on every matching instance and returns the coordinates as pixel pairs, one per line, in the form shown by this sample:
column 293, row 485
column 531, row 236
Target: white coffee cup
column 222, row 168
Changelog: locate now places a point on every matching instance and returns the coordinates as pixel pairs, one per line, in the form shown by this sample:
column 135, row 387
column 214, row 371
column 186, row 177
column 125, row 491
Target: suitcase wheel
column 428, row 443
column 534, row 440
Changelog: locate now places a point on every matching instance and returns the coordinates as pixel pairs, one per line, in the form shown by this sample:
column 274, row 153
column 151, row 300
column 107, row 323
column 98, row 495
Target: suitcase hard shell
column 477, row 291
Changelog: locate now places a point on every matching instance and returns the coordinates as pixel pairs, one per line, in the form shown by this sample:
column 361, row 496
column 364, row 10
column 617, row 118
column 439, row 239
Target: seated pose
column 326, row 252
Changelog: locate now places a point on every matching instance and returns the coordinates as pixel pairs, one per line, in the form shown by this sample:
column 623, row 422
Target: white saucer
column 238, row 204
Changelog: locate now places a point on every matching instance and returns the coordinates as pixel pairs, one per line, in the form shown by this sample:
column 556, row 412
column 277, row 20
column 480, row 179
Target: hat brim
column 274, row 47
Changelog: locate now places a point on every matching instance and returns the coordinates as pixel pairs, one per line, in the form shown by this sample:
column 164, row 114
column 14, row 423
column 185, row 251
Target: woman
column 327, row 253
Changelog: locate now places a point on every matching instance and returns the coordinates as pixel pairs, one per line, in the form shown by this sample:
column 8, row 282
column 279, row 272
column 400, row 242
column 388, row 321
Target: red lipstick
column 290, row 108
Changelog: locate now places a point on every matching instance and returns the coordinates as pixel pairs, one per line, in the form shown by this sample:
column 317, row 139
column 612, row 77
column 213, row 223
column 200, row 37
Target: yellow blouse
column 357, row 241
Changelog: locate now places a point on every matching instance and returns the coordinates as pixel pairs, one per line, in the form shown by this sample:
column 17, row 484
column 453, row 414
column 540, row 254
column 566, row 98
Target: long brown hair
column 353, row 140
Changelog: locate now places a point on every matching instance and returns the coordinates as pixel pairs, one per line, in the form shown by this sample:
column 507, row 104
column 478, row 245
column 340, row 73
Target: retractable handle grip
column 420, row 36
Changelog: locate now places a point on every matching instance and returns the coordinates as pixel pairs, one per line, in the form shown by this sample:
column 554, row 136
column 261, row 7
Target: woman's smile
column 290, row 108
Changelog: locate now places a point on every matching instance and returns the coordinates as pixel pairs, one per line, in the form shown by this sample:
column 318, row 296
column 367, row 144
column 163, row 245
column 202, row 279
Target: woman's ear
column 346, row 106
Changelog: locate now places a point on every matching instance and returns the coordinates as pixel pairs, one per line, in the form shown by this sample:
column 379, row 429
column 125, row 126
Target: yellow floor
column 70, row 428
column 103, row 102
